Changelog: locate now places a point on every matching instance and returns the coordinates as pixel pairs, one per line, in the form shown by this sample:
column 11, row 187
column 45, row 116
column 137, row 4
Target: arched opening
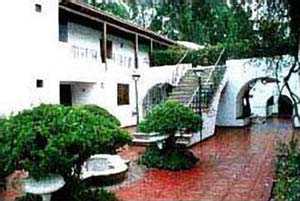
column 270, row 107
column 155, row 96
column 285, row 107
column 250, row 97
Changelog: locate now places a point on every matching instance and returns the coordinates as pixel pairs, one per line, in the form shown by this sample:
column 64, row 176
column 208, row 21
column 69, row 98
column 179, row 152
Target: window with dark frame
column 123, row 94
column 38, row 8
column 39, row 83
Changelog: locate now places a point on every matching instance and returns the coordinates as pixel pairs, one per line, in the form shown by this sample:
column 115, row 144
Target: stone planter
column 104, row 169
column 44, row 187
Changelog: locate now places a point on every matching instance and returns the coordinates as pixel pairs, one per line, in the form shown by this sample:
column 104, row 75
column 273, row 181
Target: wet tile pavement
column 235, row 165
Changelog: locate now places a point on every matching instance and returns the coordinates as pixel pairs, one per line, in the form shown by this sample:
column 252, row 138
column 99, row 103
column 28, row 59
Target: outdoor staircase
column 187, row 86
column 211, row 83
column 202, row 94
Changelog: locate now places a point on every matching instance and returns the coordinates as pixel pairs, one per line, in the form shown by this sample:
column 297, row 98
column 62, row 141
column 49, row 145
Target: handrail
column 213, row 69
column 209, row 77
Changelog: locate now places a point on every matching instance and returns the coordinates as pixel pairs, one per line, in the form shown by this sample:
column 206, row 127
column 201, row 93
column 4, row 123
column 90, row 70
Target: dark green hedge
column 210, row 54
column 174, row 160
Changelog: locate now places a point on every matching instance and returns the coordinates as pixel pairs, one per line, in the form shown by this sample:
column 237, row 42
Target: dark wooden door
column 65, row 94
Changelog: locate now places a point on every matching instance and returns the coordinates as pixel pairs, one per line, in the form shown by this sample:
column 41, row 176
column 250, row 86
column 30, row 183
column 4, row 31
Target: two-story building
column 66, row 52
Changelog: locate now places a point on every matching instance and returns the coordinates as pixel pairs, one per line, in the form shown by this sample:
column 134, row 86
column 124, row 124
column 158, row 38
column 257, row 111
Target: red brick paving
column 235, row 165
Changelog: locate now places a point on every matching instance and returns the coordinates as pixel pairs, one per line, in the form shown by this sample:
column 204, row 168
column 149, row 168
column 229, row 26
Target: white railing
column 209, row 76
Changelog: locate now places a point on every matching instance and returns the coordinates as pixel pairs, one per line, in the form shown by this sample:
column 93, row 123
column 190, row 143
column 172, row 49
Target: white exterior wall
column 36, row 53
column 27, row 40
column 243, row 72
column 260, row 95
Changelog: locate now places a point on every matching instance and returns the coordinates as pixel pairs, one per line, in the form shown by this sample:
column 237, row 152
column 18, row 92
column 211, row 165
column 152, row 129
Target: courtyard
column 150, row 100
column 237, row 164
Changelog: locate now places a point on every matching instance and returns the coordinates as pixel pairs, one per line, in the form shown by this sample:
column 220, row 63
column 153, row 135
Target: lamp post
column 136, row 78
column 198, row 73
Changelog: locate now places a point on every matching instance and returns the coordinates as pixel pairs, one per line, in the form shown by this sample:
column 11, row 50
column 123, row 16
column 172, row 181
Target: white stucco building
column 65, row 52
column 68, row 53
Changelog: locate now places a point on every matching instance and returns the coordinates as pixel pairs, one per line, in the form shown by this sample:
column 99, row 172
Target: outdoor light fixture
column 136, row 78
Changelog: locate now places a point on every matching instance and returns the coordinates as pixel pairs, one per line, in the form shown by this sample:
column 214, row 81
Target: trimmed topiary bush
column 167, row 119
column 54, row 139
column 101, row 112
column 170, row 117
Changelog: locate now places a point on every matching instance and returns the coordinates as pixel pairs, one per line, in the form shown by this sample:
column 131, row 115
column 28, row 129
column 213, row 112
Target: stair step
column 180, row 93
column 139, row 135
column 182, row 142
column 150, row 140
column 185, row 135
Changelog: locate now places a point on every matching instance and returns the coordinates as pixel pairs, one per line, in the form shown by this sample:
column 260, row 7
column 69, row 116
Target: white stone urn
column 44, row 187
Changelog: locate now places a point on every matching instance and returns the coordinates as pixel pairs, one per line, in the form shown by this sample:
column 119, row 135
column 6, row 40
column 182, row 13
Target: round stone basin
column 104, row 169
column 46, row 185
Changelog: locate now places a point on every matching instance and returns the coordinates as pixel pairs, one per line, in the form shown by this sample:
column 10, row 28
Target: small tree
column 167, row 119
column 54, row 139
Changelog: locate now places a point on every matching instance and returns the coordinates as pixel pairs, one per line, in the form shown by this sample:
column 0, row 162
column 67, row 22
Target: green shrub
column 101, row 112
column 210, row 54
column 169, row 117
column 174, row 160
column 204, row 57
column 82, row 194
column 287, row 186
column 56, row 139
column 95, row 195
column 30, row 197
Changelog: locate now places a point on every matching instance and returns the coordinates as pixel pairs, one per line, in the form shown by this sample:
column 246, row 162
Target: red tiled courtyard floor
column 235, row 165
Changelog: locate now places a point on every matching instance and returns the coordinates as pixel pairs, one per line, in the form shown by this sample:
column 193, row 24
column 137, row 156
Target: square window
column 39, row 83
column 38, row 8
column 123, row 94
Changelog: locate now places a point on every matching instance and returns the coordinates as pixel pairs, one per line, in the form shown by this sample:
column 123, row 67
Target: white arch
column 241, row 73
column 147, row 102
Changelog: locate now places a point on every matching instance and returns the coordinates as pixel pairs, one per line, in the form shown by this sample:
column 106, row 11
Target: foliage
column 169, row 117
column 287, row 186
column 83, row 193
column 101, row 112
column 95, row 195
column 210, row 54
column 172, row 56
column 57, row 139
column 206, row 22
column 168, row 159
column 116, row 9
